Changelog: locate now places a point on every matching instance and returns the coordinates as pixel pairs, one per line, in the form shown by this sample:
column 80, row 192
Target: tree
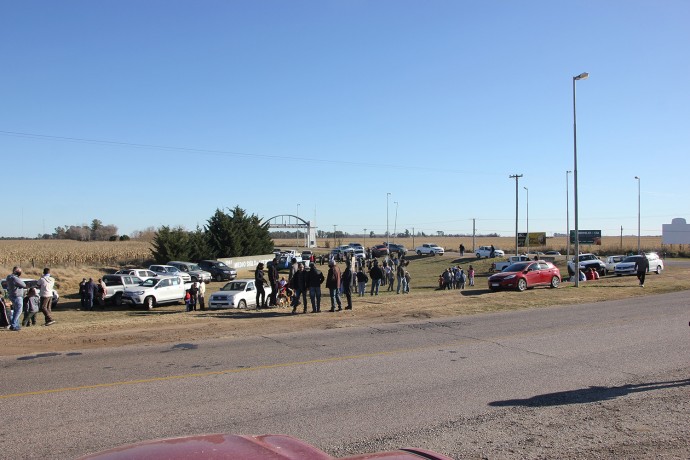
column 170, row 244
column 237, row 234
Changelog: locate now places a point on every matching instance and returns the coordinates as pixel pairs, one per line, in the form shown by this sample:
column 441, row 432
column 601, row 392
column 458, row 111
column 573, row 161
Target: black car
column 397, row 248
column 218, row 270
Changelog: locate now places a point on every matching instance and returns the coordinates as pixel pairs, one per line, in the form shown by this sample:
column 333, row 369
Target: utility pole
column 474, row 232
column 517, row 178
column 334, row 242
column 621, row 237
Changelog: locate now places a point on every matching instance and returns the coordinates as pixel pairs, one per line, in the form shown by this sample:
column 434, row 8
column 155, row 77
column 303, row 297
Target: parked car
column 628, row 266
column 169, row 270
column 195, row 272
column 307, row 255
column 485, row 252
column 501, row 265
column 552, row 253
column 116, row 284
column 236, row 294
column 380, row 250
column 588, row 261
column 139, row 272
column 525, row 275
column 218, row 270
column 345, row 248
column 231, row 446
column 156, row 291
column 397, row 248
column 612, row 261
column 429, row 248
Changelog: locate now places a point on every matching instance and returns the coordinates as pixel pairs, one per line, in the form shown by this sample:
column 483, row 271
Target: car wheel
column 242, row 304
column 419, row 253
column 658, row 270
column 522, row 285
column 555, row 282
column 478, row 256
column 117, row 299
column 219, row 277
column 149, row 302
column 619, row 274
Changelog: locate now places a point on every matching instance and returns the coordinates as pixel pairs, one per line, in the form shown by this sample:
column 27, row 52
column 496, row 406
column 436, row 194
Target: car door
column 163, row 289
column 533, row 275
column 249, row 293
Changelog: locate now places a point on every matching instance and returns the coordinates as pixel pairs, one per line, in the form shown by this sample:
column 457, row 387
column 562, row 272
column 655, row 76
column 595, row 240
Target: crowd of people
column 28, row 301
column 306, row 279
column 456, row 278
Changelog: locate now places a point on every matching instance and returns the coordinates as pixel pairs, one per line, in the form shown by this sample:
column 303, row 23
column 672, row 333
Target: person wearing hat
column 333, row 285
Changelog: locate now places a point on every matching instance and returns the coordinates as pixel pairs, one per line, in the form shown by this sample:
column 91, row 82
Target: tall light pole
column 365, row 239
column 567, row 218
column 638, row 214
column 395, row 225
column 582, row 76
column 388, row 194
column 527, row 239
column 335, row 243
column 516, row 177
column 297, row 237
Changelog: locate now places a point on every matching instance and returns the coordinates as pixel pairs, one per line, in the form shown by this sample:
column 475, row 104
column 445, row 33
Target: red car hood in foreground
column 229, row 446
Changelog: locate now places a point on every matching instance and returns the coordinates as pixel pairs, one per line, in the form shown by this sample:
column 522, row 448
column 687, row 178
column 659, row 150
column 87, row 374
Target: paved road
column 343, row 390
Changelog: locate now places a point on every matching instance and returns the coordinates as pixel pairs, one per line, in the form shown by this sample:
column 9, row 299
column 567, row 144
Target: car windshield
column 221, row 265
column 194, row 267
column 518, row 267
column 112, row 280
column 632, row 259
column 234, row 286
column 172, row 269
column 150, row 282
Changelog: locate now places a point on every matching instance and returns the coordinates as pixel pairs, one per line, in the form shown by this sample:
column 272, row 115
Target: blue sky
column 150, row 113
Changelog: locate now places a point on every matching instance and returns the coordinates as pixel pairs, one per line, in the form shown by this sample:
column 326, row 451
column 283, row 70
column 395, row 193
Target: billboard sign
column 535, row 239
column 586, row 237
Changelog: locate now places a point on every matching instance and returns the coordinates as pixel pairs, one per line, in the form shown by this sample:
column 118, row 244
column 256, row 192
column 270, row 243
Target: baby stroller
column 284, row 296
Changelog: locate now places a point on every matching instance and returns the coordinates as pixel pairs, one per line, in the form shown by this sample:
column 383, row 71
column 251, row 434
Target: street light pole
column 297, row 232
column 395, row 225
column 638, row 214
column 516, row 177
column 388, row 194
column 582, row 76
column 527, row 239
column 567, row 218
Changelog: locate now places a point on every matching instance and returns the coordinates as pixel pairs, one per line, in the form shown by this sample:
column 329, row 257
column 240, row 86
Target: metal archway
column 292, row 221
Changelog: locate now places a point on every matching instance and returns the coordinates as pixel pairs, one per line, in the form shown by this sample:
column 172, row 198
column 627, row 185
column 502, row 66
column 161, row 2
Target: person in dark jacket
column 346, row 282
column 90, row 289
column 260, row 282
column 376, row 275
column 299, row 285
column 15, row 292
column 314, row 279
column 333, row 285
column 642, row 266
column 273, row 278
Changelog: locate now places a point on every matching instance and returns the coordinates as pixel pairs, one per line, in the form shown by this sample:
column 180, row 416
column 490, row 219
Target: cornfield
column 52, row 253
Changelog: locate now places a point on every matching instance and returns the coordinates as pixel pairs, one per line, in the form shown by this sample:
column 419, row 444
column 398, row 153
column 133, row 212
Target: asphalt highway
column 337, row 388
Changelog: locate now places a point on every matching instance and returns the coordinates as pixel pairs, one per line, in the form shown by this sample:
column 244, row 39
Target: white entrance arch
column 292, row 221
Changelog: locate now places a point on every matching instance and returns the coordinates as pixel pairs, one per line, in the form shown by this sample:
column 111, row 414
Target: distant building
column 677, row 232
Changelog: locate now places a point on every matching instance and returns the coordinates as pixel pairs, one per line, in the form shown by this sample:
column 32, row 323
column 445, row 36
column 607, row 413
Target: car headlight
column 509, row 277
column 138, row 292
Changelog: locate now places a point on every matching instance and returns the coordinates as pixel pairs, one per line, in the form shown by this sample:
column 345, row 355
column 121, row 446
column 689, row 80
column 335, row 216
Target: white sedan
column 429, row 248
column 236, row 294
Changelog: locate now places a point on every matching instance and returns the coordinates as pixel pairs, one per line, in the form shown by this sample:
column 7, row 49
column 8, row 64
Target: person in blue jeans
column 15, row 291
column 314, row 279
column 376, row 275
column 333, row 285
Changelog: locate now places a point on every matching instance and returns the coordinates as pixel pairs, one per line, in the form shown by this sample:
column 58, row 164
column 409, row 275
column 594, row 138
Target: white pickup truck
column 499, row 266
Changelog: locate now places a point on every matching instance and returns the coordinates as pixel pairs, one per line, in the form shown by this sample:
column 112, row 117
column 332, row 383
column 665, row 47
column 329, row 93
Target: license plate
column 494, row 284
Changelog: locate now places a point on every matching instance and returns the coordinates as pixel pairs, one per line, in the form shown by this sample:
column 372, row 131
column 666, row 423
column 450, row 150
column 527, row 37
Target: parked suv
column 397, row 248
column 429, row 248
column 140, row 272
column 195, row 272
column 155, row 291
column 169, row 270
column 588, row 261
column 218, row 270
column 485, row 251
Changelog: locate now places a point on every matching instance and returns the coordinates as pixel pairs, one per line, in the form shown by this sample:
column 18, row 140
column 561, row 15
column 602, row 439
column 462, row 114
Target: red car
column 229, row 446
column 380, row 250
column 523, row 275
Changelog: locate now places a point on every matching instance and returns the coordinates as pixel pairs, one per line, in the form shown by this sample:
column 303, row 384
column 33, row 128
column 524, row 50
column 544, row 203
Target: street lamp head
column 525, row 188
column 582, row 76
column 568, row 172
column 637, row 178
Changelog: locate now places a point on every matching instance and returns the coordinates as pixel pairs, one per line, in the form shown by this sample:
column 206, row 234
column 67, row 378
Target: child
column 188, row 300
column 470, row 272
column 30, row 307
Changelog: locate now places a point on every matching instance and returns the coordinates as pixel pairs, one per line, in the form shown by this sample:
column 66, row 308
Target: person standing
column 376, row 275
column 642, row 266
column 260, row 282
column 390, row 274
column 347, row 285
column 193, row 294
column 201, row 296
column 362, row 279
column 90, row 293
column 15, row 291
column 82, row 293
column 333, row 285
column 470, row 275
column 315, row 279
column 273, row 281
column 299, row 285
column 45, row 291
column 31, row 307
column 462, row 250
column 102, row 291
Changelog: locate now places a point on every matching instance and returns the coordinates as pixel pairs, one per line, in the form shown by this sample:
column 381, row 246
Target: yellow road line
column 210, row 373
